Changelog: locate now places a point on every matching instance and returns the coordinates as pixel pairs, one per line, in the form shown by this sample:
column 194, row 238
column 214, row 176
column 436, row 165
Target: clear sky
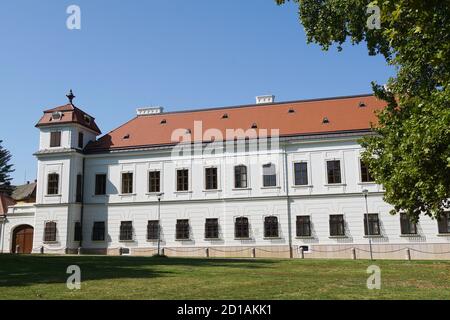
column 178, row 54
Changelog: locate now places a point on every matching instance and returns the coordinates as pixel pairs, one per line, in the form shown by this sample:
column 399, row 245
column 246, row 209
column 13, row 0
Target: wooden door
column 23, row 239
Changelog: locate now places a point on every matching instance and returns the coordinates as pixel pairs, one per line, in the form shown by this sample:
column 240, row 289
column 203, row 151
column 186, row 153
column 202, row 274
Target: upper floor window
column 50, row 231
column 241, row 229
column 303, row 226
column 212, row 228
column 444, row 223
column 270, row 227
column 55, row 139
column 154, row 181
column 210, row 178
column 240, row 176
column 269, row 175
column 337, row 226
column 301, row 173
column 182, row 229
column 79, row 189
column 126, row 231
column 127, row 182
column 152, row 230
column 406, row 225
column 100, row 184
column 98, row 231
column 80, row 140
column 334, row 171
column 371, row 224
column 182, row 180
column 365, row 172
column 53, row 184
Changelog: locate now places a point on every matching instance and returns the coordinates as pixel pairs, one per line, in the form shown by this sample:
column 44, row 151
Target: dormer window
column 127, row 136
column 87, row 119
column 56, row 115
column 361, row 104
column 291, row 111
column 163, row 121
column 55, row 139
column 225, row 116
column 254, row 126
column 325, row 120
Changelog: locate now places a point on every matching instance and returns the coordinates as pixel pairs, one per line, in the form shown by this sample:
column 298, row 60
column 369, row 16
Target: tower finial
column 70, row 96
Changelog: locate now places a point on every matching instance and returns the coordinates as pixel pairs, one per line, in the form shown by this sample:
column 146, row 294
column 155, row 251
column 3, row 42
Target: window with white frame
column 240, row 176
column 269, row 175
column 301, row 173
column 334, row 172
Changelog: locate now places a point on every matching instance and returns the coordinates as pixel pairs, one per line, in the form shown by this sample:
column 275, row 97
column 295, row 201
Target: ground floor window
column 270, row 227
column 126, row 231
column 212, row 229
column 152, row 230
column 406, row 225
column 98, row 231
column 337, row 226
column 241, row 228
column 371, row 224
column 444, row 223
column 50, row 231
column 77, row 231
column 303, row 226
column 182, row 229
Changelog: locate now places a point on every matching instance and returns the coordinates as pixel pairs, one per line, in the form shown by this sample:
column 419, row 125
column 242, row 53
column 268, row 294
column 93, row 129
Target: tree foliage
column 5, row 166
column 410, row 154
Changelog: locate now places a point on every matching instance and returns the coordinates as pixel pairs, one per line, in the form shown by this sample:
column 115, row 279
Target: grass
column 107, row 277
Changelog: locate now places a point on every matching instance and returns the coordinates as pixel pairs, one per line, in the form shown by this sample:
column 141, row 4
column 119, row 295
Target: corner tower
column 64, row 133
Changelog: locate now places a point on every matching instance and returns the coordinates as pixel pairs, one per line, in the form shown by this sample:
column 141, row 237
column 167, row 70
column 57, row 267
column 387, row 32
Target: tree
column 410, row 152
column 5, row 166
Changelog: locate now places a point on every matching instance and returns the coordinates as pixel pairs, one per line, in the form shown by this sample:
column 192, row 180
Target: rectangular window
column 303, row 226
column 77, row 231
column 79, row 191
column 153, row 230
column 50, row 231
column 337, row 227
column 127, row 182
column 183, row 180
column 241, row 228
column 301, row 173
column 334, row 171
column 210, row 178
column 373, row 225
column 100, row 184
column 53, row 184
column 98, row 231
column 240, row 177
column 154, row 181
column 212, row 229
column 365, row 172
column 270, row 227
column 80, row 140
column 444, row 224
column 55, row 139
column 182, row 229
column 406, row 225
column 126, row 231
column 269, row 175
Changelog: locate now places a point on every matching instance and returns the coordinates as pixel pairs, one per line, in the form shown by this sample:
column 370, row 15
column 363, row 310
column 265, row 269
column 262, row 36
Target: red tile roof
column 5, row 202
column 70, row 114
column 305, row 117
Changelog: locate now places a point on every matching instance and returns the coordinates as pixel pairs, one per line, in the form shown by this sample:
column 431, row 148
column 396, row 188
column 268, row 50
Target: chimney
column 265, row 99
column 149, row 111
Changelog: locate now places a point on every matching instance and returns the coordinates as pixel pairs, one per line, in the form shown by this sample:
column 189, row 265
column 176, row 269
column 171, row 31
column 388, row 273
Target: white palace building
column 263, row 180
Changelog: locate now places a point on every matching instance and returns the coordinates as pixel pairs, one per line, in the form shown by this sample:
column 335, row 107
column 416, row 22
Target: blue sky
column 178, row 54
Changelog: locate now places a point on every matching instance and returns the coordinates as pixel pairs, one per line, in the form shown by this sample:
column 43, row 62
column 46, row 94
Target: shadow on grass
column 23, row 270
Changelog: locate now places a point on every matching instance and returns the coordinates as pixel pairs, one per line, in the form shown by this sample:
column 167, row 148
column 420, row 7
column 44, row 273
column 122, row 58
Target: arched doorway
column 22, row 239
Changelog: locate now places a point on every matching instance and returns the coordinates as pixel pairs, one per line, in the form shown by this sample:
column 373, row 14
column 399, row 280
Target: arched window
column 240, row 176
column 50, row 231
column 53, row 184
column 269, row 175
column 271, row 227
column 241, row 228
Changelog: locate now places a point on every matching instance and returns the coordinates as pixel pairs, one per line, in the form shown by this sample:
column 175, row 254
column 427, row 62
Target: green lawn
column 106, row 277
